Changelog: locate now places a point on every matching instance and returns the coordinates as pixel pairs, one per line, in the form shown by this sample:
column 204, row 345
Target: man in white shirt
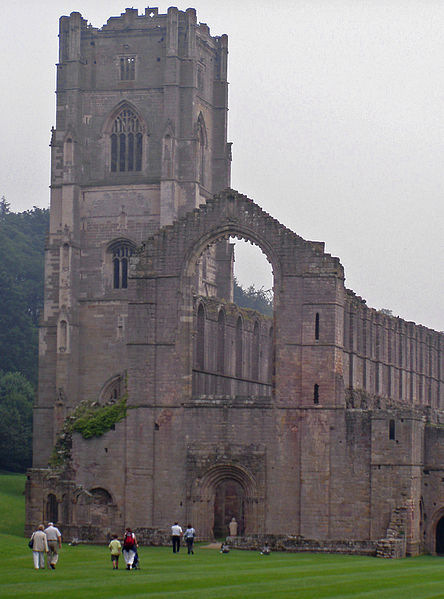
column 176, row 534
column 54, row 539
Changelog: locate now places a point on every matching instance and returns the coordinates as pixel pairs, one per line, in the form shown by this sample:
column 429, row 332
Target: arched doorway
column 52, row 509
column 224, row 491
column 439, row 537
column 228, row 503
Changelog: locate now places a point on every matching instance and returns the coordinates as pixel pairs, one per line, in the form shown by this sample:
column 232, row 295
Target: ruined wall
column 389, row 357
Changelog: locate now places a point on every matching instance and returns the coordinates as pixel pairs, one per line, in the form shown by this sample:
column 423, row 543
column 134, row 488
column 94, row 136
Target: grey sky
column 336, row 118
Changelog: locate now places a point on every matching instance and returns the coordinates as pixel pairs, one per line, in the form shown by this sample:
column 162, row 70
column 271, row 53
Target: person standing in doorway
column 176, row 534
column 189, row 535
column 54, row 539
column 233, row 527
column 39, row 547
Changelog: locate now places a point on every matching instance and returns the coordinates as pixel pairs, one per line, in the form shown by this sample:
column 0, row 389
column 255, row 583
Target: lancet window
column 121, row 253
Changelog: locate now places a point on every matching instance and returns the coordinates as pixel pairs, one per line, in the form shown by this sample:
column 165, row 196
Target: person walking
column 189, row 535
column 54, row 539
column 116, row 549
column 176, row 534
column 129, row 548
column 39, row 547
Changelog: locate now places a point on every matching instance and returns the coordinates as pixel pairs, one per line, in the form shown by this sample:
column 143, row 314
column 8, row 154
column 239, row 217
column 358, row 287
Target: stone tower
column 140, row 139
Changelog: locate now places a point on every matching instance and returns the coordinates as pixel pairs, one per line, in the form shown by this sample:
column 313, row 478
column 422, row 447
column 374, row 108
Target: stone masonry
column 320, row 428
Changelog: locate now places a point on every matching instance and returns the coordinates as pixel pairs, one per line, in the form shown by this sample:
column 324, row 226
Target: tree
column 4, row 208
column 260, row 300
column 22, row 241
column 16, row 400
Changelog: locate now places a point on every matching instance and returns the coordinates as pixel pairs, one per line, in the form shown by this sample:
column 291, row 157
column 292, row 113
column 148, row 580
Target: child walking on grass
column 116, row 549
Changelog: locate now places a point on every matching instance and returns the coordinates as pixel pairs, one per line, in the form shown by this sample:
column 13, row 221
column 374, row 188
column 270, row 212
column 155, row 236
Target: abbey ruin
column 319, row 428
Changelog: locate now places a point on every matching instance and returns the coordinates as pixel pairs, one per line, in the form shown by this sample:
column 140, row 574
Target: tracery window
column 121, row 253
column 126, row 142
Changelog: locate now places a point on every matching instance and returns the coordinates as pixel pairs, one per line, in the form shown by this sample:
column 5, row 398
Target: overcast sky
column 336, row 118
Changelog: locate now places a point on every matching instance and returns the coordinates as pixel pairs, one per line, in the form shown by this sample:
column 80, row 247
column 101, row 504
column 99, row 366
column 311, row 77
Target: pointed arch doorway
column 228, row 503
column 439, row 537
column 224, row 491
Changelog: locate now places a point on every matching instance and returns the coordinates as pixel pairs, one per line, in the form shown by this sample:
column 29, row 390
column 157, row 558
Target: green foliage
column 22, row 241
column 90, row 419
column 16, row 400
column 260, row 300
column 98, row 419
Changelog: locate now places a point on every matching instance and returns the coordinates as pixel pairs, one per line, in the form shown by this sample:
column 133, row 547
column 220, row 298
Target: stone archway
column 228, row 503
column 225, row 490
column 439, row 536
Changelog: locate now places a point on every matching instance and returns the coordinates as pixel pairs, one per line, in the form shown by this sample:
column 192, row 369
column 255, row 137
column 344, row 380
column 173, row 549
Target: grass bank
column 85, row 571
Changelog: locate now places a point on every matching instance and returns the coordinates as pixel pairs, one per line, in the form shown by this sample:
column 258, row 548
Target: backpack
column 128, row 541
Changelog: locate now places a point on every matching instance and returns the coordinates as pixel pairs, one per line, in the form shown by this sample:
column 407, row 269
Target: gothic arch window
column 101, row 496
column 112, row 389
column 201, row 150
column 221, row 342
column 271, row 361
column 121, row 251
column 255, row 353
column 200, row 338
column 126, row 142
column 239, row 348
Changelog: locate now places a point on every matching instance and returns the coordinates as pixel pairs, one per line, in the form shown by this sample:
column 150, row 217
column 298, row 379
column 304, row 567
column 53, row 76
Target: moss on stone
column 90, row 419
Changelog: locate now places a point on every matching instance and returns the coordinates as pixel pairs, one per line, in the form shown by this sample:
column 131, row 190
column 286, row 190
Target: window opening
column 221, row 342
column 127, row 68
column 255, row 353
column 239, row 335
column 200, row 338
column 126, row 142
column 317, row 326
column 316, row 394
column 121, row 254
column 392, row 430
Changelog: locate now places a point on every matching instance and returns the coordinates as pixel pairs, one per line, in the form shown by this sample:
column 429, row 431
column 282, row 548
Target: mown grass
column 85, row 571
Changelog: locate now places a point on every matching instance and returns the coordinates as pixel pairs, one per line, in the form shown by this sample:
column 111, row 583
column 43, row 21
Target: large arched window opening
column 201, row 150
column 239, row 348
column 220, row 357
column 200, row 338
column 255, row 353
column 126, row 142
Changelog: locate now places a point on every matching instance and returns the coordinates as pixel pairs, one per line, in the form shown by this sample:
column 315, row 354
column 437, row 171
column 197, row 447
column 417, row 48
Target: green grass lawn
column 85, row 571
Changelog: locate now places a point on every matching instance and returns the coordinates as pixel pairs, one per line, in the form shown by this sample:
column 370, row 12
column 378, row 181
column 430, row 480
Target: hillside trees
column 16, row 399
column 22, row 239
